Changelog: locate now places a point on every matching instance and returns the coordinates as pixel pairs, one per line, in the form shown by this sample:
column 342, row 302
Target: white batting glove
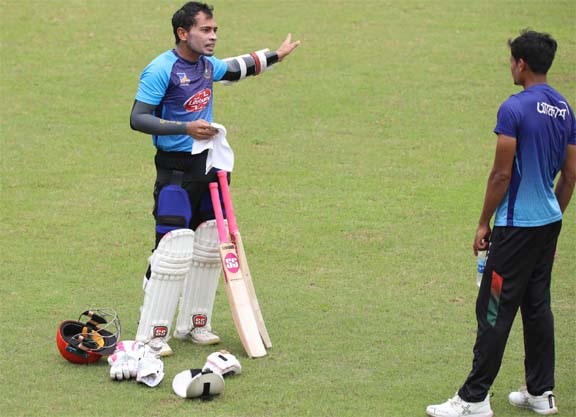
column 124, row 361
column 150, row 369
column 223, row 363
column 133, row 359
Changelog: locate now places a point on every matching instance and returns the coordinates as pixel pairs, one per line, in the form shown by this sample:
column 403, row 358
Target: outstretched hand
column 287, row 47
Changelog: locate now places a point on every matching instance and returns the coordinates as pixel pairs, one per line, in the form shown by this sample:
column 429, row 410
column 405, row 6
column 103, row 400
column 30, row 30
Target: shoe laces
column 458, row 403
column 461, row 405
column 201, row 330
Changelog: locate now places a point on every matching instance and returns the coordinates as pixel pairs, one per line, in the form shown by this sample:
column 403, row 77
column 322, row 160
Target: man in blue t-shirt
column 174, row 104
column 536, row 132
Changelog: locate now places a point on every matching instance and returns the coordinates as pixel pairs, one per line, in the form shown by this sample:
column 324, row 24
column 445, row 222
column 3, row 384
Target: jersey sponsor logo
column 198, row 101
column 184, row 80
column 552, row 111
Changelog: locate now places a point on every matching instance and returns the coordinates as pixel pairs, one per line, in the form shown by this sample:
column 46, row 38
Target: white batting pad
column 169, row 265
column 195, row 383
column 197, row 301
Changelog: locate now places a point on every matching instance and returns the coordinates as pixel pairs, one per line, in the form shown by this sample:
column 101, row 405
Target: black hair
column 535, row 48
column 185, row 17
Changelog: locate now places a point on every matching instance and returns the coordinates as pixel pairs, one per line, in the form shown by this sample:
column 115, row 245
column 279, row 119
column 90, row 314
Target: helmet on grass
column 93, row 335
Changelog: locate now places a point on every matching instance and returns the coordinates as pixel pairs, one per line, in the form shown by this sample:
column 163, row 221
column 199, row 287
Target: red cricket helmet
column 93, row 335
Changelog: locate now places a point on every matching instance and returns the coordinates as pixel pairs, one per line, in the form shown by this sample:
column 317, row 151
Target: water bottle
column 480, row 267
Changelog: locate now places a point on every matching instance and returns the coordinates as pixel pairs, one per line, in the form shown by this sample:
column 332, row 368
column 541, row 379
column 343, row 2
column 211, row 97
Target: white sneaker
column 199, row 335
column 160, row 347
column 457, row 407
column 542, row 404
column 204, row 336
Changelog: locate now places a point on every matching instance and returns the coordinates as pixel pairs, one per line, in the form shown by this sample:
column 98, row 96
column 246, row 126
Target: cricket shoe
column 457, row 407
column 542, row 404
column 200, row 336
column 160, row 347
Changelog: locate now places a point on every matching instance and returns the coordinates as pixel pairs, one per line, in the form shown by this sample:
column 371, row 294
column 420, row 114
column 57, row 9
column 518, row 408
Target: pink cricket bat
column 237, row 239
column 236, row 290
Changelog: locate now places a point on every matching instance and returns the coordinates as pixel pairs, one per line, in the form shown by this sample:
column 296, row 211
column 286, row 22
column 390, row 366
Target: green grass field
column 361, row 165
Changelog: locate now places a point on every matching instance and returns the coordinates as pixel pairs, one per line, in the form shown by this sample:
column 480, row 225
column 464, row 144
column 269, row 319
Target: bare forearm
column 495, row 191
column 565, row 185
column 564, row 190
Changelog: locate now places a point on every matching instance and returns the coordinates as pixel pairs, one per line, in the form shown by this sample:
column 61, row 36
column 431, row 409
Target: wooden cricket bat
column 237, row 239
column 238, row 296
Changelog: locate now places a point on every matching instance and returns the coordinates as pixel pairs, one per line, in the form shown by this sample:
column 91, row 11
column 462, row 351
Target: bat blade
column 236, row 290
column 239, row 300
column 237, row 238
column 251, row 291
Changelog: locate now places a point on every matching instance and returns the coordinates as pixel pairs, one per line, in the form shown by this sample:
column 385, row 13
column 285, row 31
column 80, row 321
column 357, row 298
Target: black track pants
column 517, row 276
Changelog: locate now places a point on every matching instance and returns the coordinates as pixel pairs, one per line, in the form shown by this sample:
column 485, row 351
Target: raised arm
column 256, row 62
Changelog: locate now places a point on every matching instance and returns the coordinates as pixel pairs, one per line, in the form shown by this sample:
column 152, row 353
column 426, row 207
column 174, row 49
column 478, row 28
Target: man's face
column 201, row 38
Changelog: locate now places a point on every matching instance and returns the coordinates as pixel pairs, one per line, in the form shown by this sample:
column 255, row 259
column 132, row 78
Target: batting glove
column 150, row 369
column 223, row 363
column 124, row 361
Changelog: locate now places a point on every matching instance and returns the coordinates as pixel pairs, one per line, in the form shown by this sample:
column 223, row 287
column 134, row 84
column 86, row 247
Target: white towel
column 220, row 154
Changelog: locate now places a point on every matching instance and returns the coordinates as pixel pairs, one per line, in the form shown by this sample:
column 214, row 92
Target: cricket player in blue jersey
column 536, row 139
column 174, row 104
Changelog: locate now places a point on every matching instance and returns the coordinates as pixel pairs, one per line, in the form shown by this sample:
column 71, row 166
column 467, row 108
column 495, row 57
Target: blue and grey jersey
column 543, row 124
column 182, row 92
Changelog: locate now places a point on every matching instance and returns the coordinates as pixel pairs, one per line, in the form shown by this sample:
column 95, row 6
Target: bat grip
column 223, row 179
column 222, row 235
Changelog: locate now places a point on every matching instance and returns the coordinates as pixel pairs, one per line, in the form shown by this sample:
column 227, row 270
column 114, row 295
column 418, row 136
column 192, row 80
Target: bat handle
column 223, row 236
column 223, row 180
